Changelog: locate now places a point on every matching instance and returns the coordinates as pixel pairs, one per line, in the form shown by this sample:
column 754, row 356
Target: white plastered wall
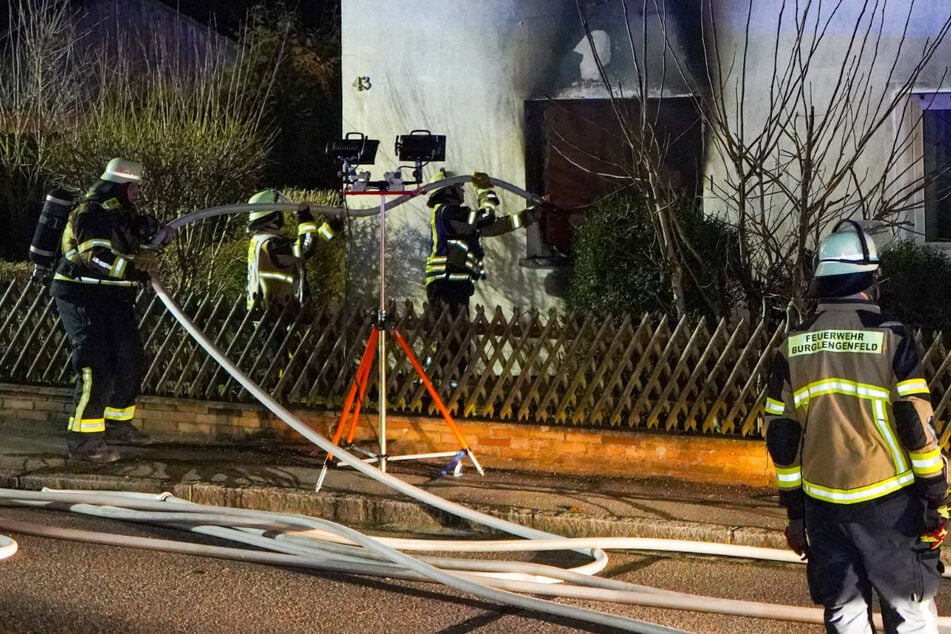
column 459, row 68
column 925, row 20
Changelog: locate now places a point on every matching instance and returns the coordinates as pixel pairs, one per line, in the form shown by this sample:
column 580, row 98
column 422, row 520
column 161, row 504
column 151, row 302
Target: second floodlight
column 421, row 146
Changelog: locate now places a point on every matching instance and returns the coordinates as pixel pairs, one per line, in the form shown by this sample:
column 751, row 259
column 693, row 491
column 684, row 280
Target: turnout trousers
column 452, row 297
column 106, row 352
column 855, row 549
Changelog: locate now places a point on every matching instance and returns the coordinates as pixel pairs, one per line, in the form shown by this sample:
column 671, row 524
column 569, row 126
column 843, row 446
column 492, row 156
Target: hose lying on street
column 8, row 546
column 307, row 542
column 301, row 541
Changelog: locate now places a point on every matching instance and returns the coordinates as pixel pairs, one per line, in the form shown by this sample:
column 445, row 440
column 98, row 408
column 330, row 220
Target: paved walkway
column 280, row 477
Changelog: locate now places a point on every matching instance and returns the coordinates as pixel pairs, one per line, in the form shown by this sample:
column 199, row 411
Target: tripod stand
column 376, row 346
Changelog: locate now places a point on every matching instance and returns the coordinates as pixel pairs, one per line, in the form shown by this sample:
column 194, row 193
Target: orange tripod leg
column 432, row 391
column 364, row 381
column 359, row 383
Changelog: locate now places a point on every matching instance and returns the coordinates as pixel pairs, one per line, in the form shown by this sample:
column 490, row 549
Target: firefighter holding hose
column 104, row 256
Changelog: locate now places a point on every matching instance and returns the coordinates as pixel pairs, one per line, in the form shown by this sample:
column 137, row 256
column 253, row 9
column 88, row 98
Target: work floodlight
column 421, row 146
column 354, row 149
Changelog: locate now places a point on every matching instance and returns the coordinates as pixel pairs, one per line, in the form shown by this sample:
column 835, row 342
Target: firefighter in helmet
column 455, row 259
column 105, row 255
column 455, row 264
column 859, row 469
column 275, row 260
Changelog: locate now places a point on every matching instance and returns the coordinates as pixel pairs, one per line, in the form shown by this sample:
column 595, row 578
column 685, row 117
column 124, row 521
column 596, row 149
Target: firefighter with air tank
column 104, row 257
column 859, row 469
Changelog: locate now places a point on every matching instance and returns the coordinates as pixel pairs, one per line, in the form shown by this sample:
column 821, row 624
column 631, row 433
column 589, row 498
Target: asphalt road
column 63, row 586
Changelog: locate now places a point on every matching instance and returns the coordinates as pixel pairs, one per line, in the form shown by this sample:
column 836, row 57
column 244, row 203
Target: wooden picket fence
column 642, row 372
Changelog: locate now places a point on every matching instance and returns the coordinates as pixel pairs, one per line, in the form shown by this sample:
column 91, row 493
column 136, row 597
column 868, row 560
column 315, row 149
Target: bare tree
column 811, row 135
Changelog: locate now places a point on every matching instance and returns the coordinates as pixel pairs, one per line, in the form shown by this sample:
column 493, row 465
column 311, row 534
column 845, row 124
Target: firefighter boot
column 89, row 447
column 122, row 432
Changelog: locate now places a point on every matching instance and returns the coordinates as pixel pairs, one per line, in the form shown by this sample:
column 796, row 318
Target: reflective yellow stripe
column 280, row 277
column 803, row 395
column 861, row 494
column 884, row 428
column 912, row 386
column 88, row 425
column 75, row 421
column 118, row 267
column 306, row 227
column 91, row 244
column 125, row 413
column 774, row 407
column 789, row 477
column 326, row 232
column 93, row 280
column 926, row 463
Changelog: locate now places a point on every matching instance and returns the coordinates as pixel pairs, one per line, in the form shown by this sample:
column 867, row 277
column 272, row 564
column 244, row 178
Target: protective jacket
column 849, row 411
column 456, row 252
column 99, row 244
column 276, row 263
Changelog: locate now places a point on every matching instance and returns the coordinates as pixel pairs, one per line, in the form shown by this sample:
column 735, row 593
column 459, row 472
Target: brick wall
column 502, row 445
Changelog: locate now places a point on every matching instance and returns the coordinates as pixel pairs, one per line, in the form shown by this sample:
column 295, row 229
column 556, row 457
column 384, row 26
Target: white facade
column 880, row 67
column 462, row 69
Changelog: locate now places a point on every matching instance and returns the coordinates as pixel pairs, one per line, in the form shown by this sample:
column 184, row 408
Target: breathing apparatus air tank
column 49, row 230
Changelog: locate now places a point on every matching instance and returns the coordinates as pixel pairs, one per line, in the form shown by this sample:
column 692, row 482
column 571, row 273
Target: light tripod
column 376, row 346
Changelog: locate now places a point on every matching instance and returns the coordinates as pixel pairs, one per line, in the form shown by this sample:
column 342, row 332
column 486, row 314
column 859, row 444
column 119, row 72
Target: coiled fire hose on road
column 294, row 540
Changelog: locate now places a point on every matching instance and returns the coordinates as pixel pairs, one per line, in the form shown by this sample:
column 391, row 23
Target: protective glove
column 538, row 210
column 304, row 214
column 796, row 537
column 146, row 262
column 935, row 524
column 481, row 180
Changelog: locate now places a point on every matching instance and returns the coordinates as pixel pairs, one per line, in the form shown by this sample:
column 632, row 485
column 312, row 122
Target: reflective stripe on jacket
column 456, row 231
column 276, row 265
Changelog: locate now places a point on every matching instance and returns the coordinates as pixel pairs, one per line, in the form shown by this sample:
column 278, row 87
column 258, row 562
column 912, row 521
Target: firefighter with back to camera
column 859, row 469
column 276, row 261
column 455, row 259
column 105, row 255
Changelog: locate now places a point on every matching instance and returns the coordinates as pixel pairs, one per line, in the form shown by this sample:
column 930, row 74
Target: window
column 936, row 147
column 574, row 147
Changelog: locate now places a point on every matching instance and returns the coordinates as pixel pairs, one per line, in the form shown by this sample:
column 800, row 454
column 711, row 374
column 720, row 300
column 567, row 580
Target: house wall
column 465, row 69
column 878, row 71
column 462, row 69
